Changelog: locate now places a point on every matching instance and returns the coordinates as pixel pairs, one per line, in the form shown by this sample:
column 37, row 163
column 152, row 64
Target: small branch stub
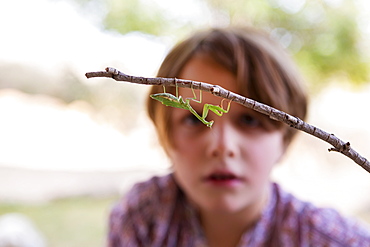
column 343, row 148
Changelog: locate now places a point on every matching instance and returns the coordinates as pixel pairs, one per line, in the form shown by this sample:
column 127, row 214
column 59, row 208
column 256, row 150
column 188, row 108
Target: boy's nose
column 222, row 140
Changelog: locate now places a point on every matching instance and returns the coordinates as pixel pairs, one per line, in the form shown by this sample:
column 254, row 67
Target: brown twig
column 294, row 122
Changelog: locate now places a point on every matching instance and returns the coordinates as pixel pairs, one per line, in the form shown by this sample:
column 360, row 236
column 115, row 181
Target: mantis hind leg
column 195, row 96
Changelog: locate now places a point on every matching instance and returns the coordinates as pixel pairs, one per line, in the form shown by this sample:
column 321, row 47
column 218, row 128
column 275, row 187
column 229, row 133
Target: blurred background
column 70, row 147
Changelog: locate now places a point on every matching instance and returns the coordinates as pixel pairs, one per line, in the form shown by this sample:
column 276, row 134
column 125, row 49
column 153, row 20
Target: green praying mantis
column 168, row 99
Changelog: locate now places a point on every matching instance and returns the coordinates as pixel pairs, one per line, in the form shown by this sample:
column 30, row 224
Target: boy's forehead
column 204, row 69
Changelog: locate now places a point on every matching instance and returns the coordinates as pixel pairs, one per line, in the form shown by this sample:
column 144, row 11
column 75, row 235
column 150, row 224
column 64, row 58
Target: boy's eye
column 249, row 120
column 191, row 120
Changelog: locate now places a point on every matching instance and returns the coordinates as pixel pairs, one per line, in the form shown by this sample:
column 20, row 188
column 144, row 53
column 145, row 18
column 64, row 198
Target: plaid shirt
column 156, row 213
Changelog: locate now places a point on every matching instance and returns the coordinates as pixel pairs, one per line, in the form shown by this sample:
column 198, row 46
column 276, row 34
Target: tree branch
column 294, row 122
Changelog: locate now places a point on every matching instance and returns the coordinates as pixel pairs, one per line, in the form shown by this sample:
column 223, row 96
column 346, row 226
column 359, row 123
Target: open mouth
column 222, row 177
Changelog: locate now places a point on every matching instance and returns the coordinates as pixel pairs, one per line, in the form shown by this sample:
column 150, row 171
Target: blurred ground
column 72, row 222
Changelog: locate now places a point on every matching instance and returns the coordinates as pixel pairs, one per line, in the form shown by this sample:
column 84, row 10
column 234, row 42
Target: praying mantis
column 168, row 99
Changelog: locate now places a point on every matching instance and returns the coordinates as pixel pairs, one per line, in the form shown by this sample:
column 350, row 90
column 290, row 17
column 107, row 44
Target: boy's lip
column 223, row 177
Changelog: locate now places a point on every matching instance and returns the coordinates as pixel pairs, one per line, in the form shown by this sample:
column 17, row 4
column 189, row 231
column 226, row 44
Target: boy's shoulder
column 319, row 225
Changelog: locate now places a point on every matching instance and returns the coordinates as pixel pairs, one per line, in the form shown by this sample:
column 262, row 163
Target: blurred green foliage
column 323, row 35
column 133, row 15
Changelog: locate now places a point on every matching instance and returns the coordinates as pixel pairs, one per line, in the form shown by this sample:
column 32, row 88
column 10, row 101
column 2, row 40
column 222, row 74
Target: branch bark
column 275, row 114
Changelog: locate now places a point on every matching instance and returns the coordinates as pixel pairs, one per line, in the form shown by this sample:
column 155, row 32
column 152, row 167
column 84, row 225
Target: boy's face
column 226, row 168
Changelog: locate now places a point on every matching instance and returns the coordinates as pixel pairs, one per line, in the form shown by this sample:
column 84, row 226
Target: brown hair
column 263, row 70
